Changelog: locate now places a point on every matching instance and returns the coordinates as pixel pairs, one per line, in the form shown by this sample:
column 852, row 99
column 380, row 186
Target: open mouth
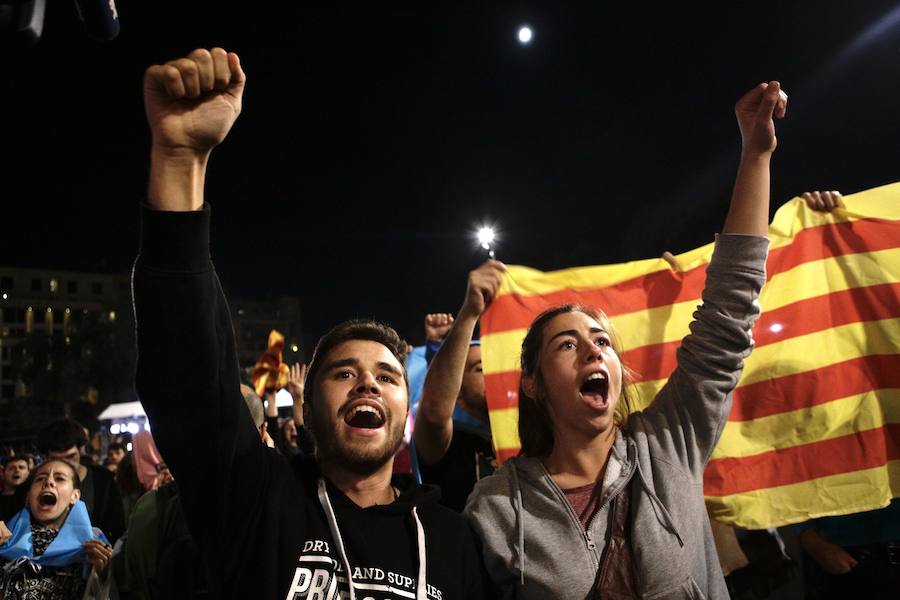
column 595, row 390
column 364, row 416
column 46, row 500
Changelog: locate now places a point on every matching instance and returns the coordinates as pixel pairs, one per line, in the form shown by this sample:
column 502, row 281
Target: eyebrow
column 390, row 368
column 574, row 333
column 353, row 362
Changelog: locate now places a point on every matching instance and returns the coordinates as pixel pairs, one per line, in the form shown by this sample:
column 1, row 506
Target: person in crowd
column 292, row 437
column 115, row 452
column 65, row 439
column 599, row 508
column 855, row 555
column 452, row 435
column 14, row 475
column 257, row 414
column 149, row 466
column 129, row 485
column 49, row 546
column 161, row 557
column 336, row 524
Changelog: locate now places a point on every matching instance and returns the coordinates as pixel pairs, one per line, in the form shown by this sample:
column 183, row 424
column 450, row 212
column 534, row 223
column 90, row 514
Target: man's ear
column 76, row 496
column 528, row 385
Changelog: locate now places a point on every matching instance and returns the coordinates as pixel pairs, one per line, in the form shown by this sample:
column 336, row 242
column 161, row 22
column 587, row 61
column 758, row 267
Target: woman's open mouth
column 595, row 391
column 46, row 500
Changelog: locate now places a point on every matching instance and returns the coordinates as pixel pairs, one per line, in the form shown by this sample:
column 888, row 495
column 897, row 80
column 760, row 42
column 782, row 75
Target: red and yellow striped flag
column 815, row 427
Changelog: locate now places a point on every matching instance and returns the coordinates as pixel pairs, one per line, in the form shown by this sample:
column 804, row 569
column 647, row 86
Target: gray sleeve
column 686, row 418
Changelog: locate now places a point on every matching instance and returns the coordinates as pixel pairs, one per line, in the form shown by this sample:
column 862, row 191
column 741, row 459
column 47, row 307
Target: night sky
column 374, row 139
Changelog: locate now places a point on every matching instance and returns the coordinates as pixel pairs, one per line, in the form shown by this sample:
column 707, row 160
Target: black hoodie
column 269, row 528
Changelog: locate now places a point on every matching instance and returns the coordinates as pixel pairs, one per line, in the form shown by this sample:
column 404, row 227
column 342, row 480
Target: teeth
column 364, row 408
column 596, row 376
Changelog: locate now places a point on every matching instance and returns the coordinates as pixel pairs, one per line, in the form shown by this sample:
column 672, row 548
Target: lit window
column 54, row 286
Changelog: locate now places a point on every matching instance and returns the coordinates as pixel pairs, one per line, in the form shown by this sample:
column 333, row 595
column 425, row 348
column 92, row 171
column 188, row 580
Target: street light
column 486, row 237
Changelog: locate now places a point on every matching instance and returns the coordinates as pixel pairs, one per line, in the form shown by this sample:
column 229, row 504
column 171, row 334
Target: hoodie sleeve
column 689, row 413
column 187, row 374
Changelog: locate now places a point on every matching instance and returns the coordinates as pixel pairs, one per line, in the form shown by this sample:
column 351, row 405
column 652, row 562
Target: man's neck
column 363, row 490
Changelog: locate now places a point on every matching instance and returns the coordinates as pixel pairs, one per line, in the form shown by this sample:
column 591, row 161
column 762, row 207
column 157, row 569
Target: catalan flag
column 815, row 425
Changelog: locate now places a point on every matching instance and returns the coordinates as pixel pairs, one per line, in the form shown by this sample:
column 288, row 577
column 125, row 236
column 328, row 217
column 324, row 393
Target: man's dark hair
column 357, row 329
column 12, row 459
column 61, row 435
column 116, row 446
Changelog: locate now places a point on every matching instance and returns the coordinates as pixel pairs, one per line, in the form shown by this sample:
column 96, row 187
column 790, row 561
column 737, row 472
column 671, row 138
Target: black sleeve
column 187, row 373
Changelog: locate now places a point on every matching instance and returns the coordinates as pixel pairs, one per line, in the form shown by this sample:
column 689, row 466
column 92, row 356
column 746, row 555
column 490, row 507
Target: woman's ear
column 528, row 385
column 76, row 496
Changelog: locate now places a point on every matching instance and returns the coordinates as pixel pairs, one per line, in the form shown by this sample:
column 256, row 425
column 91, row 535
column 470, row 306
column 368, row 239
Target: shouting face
column 53, row 491
column 581, row 375
column 15, row 474
column 359, row 406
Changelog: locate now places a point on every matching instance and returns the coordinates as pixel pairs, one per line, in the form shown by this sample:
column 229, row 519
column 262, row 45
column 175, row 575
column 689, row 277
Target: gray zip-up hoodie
column 534, row 545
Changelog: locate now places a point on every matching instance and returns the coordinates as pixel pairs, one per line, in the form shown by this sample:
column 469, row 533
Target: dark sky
column 374, row 139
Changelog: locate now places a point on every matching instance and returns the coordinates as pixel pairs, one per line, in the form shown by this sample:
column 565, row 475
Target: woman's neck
column 576, row 462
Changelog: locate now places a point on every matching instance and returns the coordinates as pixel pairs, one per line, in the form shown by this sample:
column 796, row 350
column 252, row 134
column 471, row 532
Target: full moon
column 525, row 35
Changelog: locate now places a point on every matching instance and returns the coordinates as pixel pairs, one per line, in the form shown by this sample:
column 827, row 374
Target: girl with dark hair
column 49, row 547
column 595, row 507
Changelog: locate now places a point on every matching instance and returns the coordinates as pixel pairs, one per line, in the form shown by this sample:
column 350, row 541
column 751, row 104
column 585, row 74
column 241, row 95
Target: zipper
column 590, row 539
column 585, row 532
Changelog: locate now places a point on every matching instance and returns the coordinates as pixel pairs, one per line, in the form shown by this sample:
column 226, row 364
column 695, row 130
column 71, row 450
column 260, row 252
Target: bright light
column 133, row 428
column 115, row 429
column 776, row 327
column 525, row 35
column 128, row 446
column 486, row 237
column 5, row 295
column 295, row 348
column 147, row 426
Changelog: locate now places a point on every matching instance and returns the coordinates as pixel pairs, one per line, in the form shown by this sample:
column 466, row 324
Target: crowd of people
column 336, row 499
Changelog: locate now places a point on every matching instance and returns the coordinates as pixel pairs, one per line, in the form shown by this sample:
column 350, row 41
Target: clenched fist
column 192, row 102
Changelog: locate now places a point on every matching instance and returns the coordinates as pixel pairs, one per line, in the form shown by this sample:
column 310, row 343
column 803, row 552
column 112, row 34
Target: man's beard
column 362, row 459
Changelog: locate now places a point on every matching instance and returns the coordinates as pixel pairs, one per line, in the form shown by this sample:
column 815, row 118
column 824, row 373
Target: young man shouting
column 338, row 526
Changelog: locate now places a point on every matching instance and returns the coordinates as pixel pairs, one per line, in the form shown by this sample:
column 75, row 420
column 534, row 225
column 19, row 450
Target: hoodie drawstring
column 421, row 587
column 336, row 534
column 666, row 519
column 520, row 521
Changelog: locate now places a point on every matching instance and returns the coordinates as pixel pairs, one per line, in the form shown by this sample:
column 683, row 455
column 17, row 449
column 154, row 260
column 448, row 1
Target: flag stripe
column 862, row 490
column 840, row 289
column 763, row 398
column 791, row 356
column 515, row 310
column 830, row 275
column 853, row 452
column 822, row 348
column 828, row 420
column 808, row 388
column 832, row 240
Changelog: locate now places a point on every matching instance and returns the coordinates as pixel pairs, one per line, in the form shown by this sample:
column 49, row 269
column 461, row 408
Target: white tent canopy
column 123, row 410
